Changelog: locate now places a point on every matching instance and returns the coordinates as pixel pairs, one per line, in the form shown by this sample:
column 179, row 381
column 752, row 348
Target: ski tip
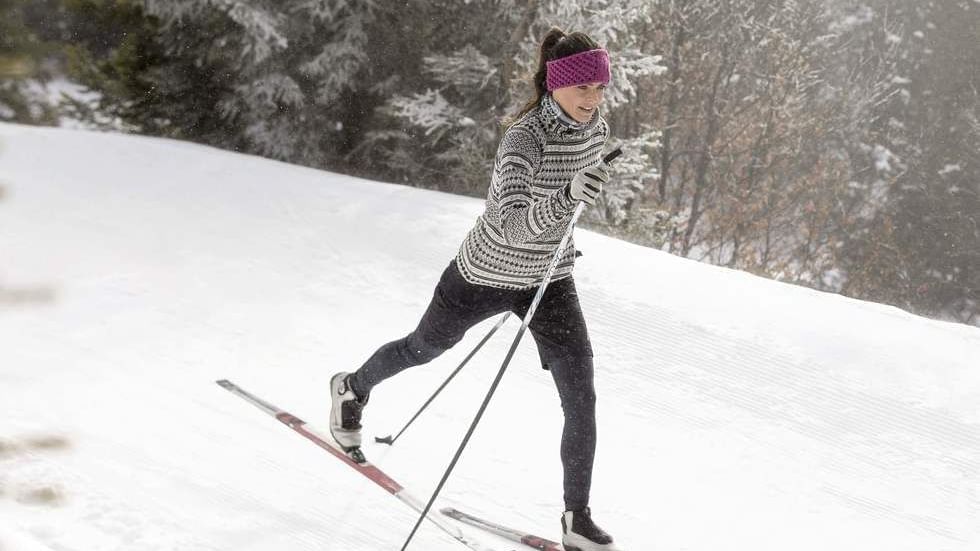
column 225, row 383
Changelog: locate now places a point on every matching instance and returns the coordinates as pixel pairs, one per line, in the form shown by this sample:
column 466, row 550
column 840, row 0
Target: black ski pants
column 559, row 331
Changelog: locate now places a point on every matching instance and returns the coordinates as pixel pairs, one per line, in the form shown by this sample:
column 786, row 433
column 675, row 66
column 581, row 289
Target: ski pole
column 391, row 441
column 510, row 354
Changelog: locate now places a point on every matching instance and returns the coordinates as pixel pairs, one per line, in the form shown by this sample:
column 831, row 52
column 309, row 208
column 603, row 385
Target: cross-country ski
column 362, row 466
column 530, row 540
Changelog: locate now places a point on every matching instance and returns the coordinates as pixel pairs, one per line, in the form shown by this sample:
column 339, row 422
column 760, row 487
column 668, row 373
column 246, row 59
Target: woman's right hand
column 587, row 183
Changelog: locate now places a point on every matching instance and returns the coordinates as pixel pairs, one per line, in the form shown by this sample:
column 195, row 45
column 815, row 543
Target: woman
column 547, row 161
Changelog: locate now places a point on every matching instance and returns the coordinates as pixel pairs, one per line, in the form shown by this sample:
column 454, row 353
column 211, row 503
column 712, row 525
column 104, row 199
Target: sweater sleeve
column 523, row 219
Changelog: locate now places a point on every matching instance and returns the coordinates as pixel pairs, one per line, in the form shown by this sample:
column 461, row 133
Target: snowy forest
column 824, row 143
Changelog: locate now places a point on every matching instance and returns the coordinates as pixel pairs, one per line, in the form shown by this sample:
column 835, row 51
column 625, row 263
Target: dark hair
column 555, row 45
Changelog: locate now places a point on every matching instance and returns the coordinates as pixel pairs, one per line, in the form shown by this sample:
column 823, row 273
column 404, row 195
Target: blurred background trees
column 826, row 143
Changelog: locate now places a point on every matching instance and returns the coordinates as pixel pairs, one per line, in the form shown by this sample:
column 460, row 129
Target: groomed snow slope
column 735, row 413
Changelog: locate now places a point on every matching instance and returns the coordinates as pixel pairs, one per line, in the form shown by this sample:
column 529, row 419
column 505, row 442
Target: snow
column 735, row 413
column 862, row 15
column 950, row 168
column 430, row 110
column 883, row 158
column 52, row 92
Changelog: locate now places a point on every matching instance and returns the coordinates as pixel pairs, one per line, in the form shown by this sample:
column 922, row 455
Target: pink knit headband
column 580, row 68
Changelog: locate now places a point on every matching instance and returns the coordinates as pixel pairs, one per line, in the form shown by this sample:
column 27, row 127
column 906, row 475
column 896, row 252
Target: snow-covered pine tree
column 473, row 82
column 279, row 73
column 21, row 50
column 455, row 116
column 444, row 117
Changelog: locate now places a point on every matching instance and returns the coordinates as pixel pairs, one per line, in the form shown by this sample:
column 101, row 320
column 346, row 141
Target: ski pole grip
column 612, row 155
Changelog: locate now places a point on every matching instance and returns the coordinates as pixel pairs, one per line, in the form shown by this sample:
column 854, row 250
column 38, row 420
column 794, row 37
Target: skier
column 547, row 161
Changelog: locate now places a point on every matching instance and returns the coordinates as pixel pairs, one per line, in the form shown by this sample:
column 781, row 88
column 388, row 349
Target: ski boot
column 345, row 416
column 579, row 533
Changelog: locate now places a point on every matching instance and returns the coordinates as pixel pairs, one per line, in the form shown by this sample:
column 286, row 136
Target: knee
column 581, row 401
column 576, row 355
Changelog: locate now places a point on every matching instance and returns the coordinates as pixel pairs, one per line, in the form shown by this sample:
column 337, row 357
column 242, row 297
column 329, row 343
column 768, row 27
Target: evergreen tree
column 22, row 53
column 442, row 118
column 274, row 78
column 826, row 143
column 473, row 81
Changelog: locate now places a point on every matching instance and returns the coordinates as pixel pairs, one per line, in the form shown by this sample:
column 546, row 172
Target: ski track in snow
column 864, row 437
column 735, row 413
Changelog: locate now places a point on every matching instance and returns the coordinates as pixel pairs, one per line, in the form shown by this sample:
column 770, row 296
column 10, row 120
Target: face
column 580, row 101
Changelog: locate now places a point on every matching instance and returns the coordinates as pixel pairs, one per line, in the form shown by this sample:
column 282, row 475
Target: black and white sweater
column 528, row 209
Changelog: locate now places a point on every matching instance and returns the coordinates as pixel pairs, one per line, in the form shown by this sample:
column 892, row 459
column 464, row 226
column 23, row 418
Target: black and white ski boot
column 345, row 416
column 579, row 533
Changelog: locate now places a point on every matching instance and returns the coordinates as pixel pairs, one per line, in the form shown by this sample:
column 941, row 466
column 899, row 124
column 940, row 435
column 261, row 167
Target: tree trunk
column 671, row 112
column 704, row 159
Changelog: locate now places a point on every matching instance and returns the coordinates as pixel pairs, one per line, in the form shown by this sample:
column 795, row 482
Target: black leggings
column 559, row 331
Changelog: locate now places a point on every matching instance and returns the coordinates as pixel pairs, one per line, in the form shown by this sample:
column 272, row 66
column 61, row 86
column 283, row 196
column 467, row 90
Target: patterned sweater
column 527, row 209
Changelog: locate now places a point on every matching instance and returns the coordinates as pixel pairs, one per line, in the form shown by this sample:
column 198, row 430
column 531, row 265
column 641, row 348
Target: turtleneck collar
column 560, row 122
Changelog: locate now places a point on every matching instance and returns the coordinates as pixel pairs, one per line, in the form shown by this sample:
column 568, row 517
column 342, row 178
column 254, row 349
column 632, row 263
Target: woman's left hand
column 586, row 185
